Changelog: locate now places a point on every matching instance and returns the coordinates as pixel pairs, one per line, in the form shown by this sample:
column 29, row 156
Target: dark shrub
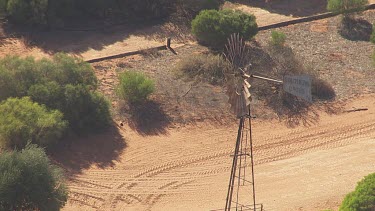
column 85, row 110
column 64, row 83
column 355, row 29
column 363, row 197
column 212, row 27
column 27, row 12
column 207, row 67
column 321, row 89
column 134, row 87
column 16, row 76
column 28, row 181
column 49, row 94
column 23, row 121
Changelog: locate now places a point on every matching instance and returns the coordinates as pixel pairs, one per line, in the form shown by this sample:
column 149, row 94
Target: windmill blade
column 236, row 79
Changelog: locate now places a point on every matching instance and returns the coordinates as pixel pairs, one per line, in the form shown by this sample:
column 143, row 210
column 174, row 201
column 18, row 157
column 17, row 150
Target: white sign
column 299, row 85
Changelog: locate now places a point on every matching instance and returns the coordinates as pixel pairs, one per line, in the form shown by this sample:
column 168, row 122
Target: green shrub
column 16, row 76
column 134, row 87
column 363, row 197
column 64, row 83
column 23, row 121
column 208, row 67
column 278, row 38
column 28, row 181
column 340, row 6
column 213, row 28
column 372, row 38
column 27, row 12
column 85, row 110
column 65, row 69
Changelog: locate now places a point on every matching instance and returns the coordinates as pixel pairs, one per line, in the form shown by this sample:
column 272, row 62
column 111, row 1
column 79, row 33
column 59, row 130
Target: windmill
column 241, row 189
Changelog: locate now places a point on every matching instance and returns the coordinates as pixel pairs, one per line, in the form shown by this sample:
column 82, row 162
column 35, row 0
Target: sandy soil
column 304, row 168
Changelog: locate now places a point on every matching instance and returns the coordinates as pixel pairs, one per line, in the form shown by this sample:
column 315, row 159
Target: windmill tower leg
column 238, row 183
column 234, row 166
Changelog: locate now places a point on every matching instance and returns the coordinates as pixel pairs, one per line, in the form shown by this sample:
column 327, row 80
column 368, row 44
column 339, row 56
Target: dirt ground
column 186, row 166
column 304, row 168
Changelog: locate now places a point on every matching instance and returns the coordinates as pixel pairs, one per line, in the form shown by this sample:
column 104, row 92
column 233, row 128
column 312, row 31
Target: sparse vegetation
column 206, row 67
column 340, row 6
column 23, row 121
column 363, row 197
column 212, row 27
column 28, row 181
column 193, row 7
column 372, row 38
column 350, row 27
column 277, row 38
column 134, row 87
column 63, row 83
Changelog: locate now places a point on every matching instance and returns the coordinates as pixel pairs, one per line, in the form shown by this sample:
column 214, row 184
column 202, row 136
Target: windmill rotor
column 236, row 78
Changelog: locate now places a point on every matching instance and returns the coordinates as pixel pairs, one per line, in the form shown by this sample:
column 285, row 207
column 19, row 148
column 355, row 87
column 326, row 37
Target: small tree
column 363, row 197
column 23, row 121
column 134, row 87
column 340, row 6
column 28, row 181
column 213, row 28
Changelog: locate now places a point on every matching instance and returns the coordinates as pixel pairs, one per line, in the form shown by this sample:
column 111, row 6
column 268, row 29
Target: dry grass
column 203, row 67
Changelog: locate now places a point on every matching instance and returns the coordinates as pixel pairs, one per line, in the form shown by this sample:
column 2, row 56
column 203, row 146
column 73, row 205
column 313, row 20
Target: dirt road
column 304, row 168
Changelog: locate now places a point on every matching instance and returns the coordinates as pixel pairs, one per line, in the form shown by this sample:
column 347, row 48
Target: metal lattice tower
column 241, row 189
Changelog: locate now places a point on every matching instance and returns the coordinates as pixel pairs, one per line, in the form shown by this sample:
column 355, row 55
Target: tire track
column 181, row 169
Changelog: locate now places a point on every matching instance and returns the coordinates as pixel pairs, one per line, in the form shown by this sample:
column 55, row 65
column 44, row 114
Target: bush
column 27, row 12
column 23, row 121
column 64, row 83
column 209, row 67
column 363, row 197
column 213, row 28
column 278, row 38
column 28, row 181
column 355, row 29
column 85, row 110
column 50, row 12
column 134, row 87
column 16, row 76
column 372, row 38
column 340, row 6
column 321, row 89
column 193, row 7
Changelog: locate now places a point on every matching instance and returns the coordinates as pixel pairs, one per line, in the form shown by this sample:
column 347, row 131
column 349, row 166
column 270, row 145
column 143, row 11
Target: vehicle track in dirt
column 182, row 163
